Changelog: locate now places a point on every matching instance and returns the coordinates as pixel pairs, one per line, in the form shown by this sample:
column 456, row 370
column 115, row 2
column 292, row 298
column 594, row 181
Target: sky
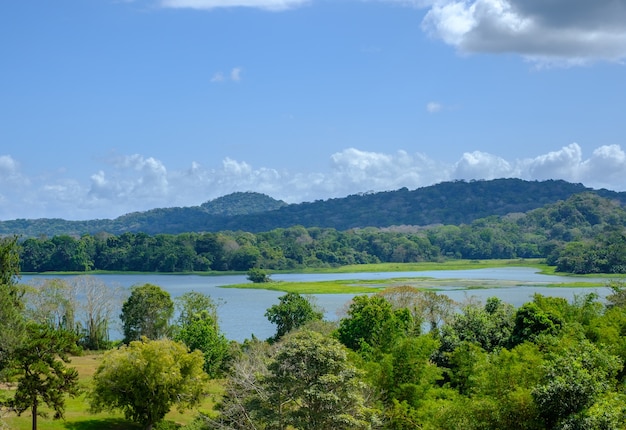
column 114, row 106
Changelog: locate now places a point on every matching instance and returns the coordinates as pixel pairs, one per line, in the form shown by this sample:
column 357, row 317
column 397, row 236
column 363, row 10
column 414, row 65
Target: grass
column 78, row 417
column 372, row 286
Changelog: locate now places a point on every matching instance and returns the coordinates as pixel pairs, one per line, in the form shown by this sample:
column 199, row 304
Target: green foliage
column 11, row 305
column 41, row 373
column 147, row 312
column 372, row 325
column 241, row 204
column 531, row 322
column 146, row 378
column 201, row 332
column 583, row 234
column 258, row 276
column 292, row 311
column 313, row 385
column 573, row 381
column 456, row 202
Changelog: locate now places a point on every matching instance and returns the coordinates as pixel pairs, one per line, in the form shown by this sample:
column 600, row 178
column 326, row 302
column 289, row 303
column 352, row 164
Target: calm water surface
column 241, row 311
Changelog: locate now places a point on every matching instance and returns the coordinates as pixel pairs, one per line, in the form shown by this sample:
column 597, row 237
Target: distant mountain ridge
column 456, row 202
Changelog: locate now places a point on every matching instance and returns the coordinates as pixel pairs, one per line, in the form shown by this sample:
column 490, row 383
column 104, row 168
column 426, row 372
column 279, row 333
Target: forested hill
column 454, row 203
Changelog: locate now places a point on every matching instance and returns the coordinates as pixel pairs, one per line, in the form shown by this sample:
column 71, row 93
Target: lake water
column 241, row 311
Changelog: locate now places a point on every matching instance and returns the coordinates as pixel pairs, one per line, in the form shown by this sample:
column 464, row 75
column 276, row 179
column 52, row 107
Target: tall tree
column 147, row 312
column 43, row 375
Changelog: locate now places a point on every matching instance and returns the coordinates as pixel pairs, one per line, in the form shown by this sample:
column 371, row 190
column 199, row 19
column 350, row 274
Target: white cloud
column 9, row 170
column 434, row 107
column 217, row 77
column 272, row 5
column 481, row 165
column 234, row 76
column 136, row 182
column 562, row 32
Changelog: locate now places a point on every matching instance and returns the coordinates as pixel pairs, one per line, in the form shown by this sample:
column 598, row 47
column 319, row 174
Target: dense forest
column 583, row 234
column 448, row 203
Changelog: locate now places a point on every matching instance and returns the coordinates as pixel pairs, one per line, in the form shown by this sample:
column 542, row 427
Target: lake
column 241, row 311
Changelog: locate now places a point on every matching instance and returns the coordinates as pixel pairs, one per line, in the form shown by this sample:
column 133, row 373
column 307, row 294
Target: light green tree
column 146, row 378
column 312, row 385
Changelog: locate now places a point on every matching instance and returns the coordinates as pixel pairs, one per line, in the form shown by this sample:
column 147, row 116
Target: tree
column 258, row 276
column 372, row 323
column 147, row 312
column 52, row 302
column 198, row 328
column 292, row 312
column 531, row 321
column 146, row 378
column 202, row 333
column 312, row 385
column 192, row 303
column 94, row 311
column 240, row 408
column 42, row 372
column 573, row 381
column 11, row 305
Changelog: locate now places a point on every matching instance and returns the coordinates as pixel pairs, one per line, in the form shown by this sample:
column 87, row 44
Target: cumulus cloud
column 136, row 182
column 549, row 32
column 482, row 165
column 272, row 5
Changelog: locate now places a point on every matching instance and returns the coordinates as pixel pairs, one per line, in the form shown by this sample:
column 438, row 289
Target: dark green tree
column 258, row 276
column 147, row 312
column 11, row 305
column 42, row 373
column 531, row 321
column 292, row 312
column 372, row 324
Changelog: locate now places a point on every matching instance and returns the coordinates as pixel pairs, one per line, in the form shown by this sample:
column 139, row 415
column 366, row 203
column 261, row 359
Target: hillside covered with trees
column 448, row 203
column 583, row 234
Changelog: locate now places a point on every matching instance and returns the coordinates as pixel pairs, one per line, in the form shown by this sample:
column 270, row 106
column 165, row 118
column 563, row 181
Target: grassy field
column 78, row 417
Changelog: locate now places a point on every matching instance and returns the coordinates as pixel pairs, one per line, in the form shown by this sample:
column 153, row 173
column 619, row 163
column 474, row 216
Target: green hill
column 450, row 203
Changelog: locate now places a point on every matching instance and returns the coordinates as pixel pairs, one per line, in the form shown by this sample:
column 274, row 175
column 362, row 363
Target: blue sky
column 114, row 106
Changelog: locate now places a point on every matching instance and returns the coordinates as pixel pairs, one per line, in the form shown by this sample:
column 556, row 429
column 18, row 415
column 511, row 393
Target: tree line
column 584, row 234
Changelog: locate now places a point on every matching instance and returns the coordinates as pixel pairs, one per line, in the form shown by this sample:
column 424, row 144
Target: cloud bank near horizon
column 136, row 182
